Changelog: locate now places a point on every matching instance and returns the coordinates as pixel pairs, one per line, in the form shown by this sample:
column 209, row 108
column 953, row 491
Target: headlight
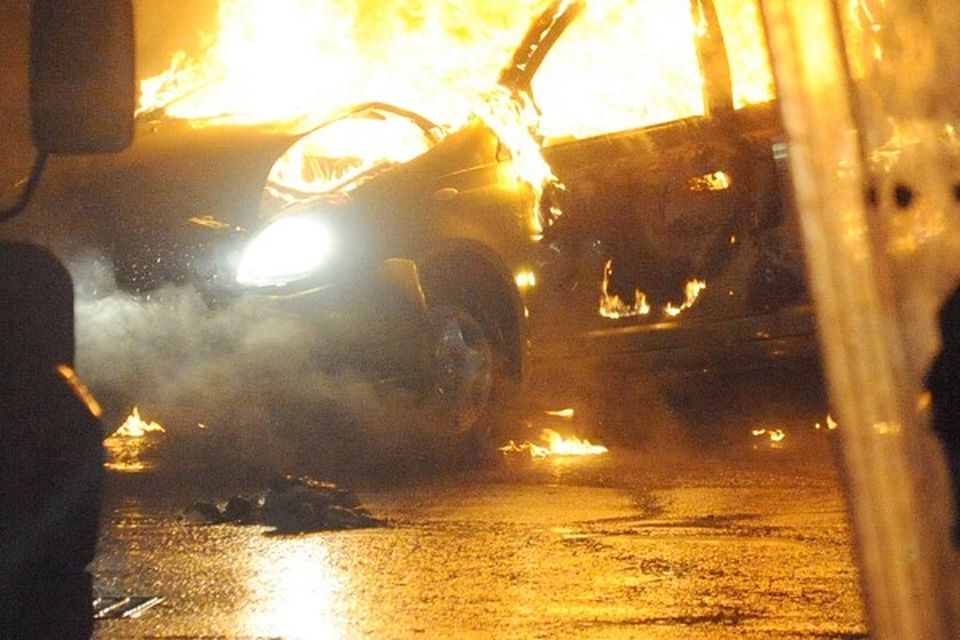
column 286, row 250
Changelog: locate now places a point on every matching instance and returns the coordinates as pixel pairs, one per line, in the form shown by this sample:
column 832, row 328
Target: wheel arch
column 474, row 275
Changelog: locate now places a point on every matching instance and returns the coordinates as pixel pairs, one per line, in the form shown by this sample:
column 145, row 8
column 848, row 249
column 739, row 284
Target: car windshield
column 338, row 156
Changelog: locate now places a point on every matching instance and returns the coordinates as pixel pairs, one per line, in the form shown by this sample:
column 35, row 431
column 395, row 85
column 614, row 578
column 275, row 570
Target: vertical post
column 876, row 347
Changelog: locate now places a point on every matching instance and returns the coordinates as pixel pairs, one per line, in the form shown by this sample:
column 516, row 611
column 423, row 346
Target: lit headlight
column 287, row 250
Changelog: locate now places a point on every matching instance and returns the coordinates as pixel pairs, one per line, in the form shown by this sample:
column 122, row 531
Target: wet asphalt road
column 742, row 539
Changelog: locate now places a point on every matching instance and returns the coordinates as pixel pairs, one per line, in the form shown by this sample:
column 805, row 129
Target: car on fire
column 666, row 247
column 467, row 262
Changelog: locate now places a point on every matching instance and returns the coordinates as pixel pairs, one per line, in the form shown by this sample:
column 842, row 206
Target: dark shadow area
column 943, row 381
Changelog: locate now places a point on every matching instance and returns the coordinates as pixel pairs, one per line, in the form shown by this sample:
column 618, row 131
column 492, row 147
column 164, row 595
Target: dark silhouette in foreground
column 51, row 456
column 943, row 381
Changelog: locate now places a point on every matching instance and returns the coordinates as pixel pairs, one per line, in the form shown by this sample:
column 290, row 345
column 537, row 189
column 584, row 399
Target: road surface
column 747, row 538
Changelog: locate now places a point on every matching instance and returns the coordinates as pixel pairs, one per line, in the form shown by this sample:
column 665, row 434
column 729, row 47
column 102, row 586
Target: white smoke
column 250, row 373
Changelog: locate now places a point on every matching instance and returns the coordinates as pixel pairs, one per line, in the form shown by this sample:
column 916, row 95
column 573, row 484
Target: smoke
column 252, row 374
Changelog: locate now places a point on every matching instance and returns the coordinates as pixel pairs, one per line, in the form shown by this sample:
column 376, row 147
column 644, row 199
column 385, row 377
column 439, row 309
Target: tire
column 465, row 373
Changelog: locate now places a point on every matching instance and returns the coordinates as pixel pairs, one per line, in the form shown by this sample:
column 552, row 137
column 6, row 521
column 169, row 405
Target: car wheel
column 465, row 371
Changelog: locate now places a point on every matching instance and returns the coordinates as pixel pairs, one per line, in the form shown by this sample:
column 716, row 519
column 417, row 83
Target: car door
column 665, row 183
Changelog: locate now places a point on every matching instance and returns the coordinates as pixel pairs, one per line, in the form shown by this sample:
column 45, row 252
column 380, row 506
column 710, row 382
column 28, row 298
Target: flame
column 515, row 120
column 692, row 291
column 526, row 279
column 136, row 427
column 831, row 424
column 294, row 63
column 775, row 436
column 334, row 156
column 632, row 63
column 555, row 445
column 276, row 62
column 745, row 42
column 717, row 181
column 612, row 306
column 566, row 414
column 128, row 449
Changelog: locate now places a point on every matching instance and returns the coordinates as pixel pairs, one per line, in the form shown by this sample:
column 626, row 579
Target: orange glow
column 136, row 427
column 555, row 445
column 526, row 279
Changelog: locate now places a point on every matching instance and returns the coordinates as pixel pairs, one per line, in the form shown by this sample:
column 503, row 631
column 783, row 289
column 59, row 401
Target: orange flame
column 136, row 427
column 277, row 62
column 272, row 62
column 775, row 436
column 334, row 157
column 515, row 121
column 555, row 445
column 612, row 306
column 692, row 291
column 128, row 448
column 831, row 424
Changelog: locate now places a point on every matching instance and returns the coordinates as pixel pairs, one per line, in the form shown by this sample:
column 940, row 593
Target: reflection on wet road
column 740, row 542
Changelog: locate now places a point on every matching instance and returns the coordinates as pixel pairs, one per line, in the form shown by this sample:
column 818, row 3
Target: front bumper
column 375, row 324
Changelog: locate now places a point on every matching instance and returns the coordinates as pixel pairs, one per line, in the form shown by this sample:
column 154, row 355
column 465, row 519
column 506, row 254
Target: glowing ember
column 773, row 435
column 716, row 181
column 831, row 424
column 136, row 427
column 555, row 445
column 566, row 414
column 526, row 279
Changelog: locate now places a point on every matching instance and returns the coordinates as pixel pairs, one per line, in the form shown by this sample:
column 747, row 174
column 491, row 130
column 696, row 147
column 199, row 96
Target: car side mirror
column 82, row 75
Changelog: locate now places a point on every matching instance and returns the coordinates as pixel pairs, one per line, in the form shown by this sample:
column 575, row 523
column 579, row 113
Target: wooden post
column 867, row 123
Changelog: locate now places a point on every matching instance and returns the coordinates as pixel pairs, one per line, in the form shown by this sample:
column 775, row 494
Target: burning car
column 545, row 229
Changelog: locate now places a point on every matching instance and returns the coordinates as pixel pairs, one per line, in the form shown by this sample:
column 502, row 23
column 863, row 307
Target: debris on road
column 291, row 505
